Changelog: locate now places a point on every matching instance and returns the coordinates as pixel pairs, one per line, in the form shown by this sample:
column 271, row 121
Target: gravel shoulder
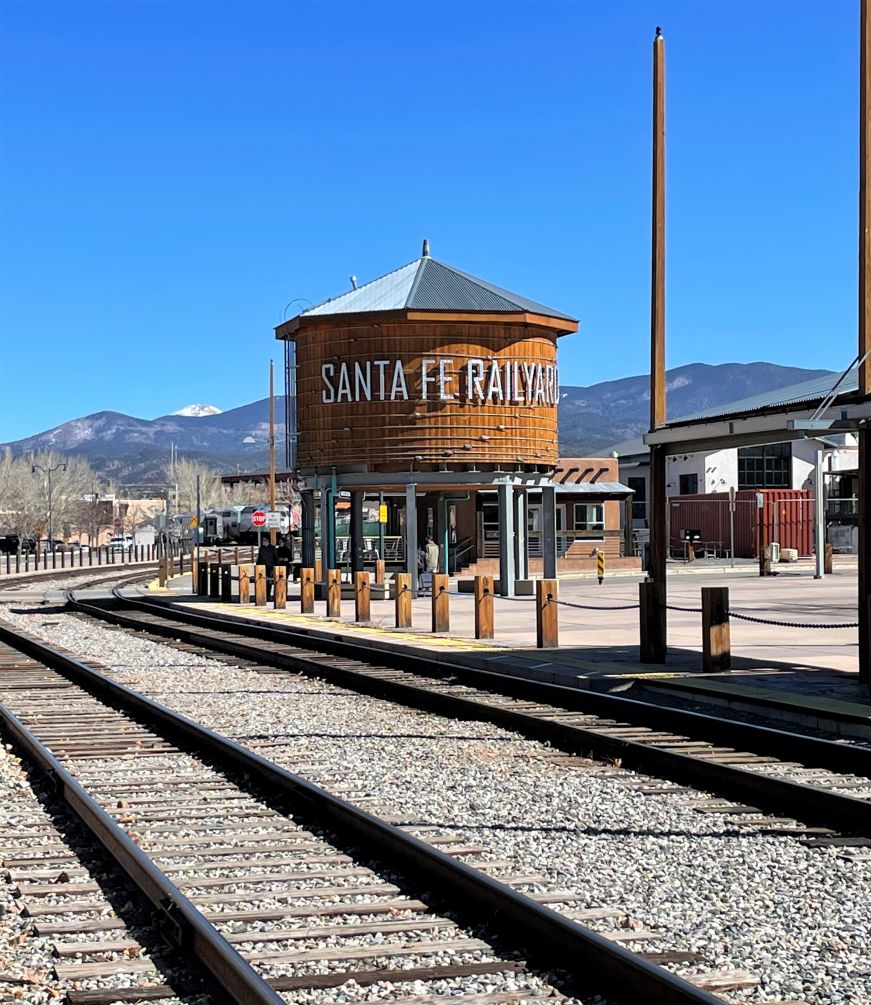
column 798, row 918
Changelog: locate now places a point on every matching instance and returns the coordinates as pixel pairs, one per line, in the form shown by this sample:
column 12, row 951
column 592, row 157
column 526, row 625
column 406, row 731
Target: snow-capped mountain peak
column 198, row 411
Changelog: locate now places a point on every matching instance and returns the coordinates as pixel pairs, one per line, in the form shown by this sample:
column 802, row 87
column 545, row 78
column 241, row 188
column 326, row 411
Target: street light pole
column 49, row 471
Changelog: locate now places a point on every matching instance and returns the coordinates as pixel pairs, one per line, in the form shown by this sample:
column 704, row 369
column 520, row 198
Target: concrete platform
column 800, row 671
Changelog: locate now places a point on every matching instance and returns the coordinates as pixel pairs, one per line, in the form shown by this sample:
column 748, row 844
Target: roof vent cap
column 425, row 252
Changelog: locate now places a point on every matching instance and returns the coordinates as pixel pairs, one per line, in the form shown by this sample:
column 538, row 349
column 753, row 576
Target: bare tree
column 185, row 476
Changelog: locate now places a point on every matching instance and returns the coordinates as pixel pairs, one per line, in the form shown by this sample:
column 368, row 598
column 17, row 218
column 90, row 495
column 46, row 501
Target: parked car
column 121, row 545
column 11, row 543
column 56, row 545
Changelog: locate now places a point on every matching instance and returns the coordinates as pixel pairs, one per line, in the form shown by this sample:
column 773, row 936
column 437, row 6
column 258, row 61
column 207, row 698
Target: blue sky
column 174, row 173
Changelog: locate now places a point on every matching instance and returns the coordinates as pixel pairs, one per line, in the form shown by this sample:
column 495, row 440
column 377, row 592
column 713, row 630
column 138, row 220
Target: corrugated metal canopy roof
column 808, row 390
column 429, row 285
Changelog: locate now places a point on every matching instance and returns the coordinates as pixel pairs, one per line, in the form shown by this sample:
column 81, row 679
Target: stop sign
column 258, row 518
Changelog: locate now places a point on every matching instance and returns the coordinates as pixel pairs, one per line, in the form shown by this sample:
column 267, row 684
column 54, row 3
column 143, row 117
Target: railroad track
column 115, row 575
column 768, row 771
column 276, row 886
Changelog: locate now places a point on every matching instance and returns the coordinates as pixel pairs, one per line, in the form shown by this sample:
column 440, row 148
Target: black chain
column 789, row 624
column 591, row 607
column 686, row 610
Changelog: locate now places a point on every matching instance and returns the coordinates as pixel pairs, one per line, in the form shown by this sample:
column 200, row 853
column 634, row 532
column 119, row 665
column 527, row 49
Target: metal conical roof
column 429, row 285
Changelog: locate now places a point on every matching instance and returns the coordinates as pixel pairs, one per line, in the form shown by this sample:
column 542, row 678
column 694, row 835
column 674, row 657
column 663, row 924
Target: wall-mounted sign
column 477, row 380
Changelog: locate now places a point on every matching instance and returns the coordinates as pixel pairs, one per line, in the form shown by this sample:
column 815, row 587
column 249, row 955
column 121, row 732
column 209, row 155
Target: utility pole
column 864, row 585
column 653, row 594
column 272, row 531
column 49, row 471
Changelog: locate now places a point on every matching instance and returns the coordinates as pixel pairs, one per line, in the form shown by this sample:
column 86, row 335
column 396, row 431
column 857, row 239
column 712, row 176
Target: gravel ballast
column 798, row 918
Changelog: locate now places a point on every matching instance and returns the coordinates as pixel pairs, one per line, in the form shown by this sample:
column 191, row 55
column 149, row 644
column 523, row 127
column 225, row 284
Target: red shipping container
column 786, row 516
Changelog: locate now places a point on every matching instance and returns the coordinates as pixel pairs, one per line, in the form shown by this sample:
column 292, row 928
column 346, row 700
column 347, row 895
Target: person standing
column 266, row 556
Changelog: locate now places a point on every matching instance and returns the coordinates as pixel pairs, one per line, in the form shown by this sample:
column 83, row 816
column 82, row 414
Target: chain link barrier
column 789, row 624
column 683, row 610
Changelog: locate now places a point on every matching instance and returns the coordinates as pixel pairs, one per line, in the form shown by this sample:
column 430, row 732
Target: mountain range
column 134, row 452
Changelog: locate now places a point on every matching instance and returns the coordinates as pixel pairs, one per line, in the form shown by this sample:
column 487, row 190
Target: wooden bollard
column 203, row 580
column 226, row 583
column 260, row 585
column 279, row 588
column 195, row 576
column 171, row 566
column 716, row 634
column 441, row 611
column 161, row 573
column 483, row 607
column 244, row 584
column 214, row 580
column 307, row 591
column 236, row 555
column 379, row 571
column 334, row 593
column 402, row 602
column 319, row 570
column 362, row 597
column 651, row 600
column 827, row 560
column 546, row 614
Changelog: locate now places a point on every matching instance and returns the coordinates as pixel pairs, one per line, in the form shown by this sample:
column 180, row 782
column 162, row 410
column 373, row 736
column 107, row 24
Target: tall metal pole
column 50, row 515
column 654, row 639
column 864, row 584
column 272, row 532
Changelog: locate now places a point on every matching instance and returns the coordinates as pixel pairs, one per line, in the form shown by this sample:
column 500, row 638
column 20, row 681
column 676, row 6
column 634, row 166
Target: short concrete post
column 362, row 597
column 260, row 585
column 334, row 593
column 244, row 584
column 441, row 611
column 484, row 607
column 226, row 583
column 307, row 591
column 716, row 635
column 546, row 614
column 280, row 587
column 161, row 573
column 402, row 584
column 214, row 580
column 651, row 598
column 379, row 571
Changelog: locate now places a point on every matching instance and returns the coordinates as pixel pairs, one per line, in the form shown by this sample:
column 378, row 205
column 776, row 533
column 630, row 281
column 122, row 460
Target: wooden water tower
column 424, row 382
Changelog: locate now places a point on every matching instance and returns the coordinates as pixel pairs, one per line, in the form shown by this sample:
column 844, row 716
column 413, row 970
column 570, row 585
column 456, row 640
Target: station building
column 433, row 395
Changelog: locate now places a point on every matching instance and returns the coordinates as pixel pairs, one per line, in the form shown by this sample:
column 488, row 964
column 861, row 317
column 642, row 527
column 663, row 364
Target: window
column 768, row 467
column 639, row 500
column 589, row 516
column 689, row 485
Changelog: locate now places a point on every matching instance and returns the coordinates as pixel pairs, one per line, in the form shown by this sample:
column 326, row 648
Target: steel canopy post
column 506, row 540
column 411, row 543
column 548, row 528
column 356, row 532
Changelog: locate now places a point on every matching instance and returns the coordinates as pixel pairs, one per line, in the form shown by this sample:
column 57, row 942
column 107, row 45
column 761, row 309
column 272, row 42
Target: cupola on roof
column 429, row 285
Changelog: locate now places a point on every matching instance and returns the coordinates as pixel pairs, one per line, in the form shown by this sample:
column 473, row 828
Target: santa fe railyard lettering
column 476, row 380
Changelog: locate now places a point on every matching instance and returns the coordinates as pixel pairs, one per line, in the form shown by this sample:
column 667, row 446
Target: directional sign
column 258, row 518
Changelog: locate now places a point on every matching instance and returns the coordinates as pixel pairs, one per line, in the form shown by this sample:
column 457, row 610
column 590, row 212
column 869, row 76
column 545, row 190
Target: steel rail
column 190, row 929
column 548, row 939
column 811, row 804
